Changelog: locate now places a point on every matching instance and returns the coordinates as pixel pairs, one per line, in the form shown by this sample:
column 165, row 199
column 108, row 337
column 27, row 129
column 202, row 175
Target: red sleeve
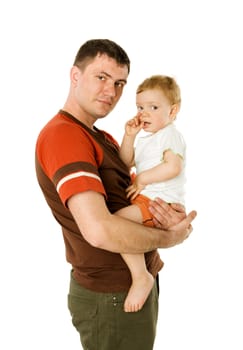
column 70, row 157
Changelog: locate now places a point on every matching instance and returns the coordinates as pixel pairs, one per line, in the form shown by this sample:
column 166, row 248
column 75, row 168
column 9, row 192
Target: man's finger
column 191, row 216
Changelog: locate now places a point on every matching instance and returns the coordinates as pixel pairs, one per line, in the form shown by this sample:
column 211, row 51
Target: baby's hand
column 133, row 126
column 134, row 189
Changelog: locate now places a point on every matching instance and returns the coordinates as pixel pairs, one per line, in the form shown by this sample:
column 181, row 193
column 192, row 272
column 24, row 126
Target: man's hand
column 166, row 216
column 182, row 230
column 173, row 219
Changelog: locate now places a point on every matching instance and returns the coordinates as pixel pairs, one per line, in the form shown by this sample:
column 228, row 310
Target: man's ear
column 74, row 75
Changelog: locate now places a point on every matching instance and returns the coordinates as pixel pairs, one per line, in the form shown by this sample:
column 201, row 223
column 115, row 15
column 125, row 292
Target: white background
column 200, row 44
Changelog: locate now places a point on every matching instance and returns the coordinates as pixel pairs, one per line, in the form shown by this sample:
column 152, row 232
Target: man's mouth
column 105, row 101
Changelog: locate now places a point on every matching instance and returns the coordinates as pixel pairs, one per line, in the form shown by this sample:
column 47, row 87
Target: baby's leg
column 132, row 212
column 142, row 282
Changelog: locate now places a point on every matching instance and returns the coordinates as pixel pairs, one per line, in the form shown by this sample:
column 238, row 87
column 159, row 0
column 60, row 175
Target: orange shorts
column 143, row 203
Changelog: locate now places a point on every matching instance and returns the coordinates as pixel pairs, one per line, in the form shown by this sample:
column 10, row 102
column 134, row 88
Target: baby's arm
column 132, row 128
column 170, row 168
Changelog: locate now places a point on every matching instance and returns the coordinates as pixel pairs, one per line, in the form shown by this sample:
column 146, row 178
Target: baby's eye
column 139, row 108
column 154, row 108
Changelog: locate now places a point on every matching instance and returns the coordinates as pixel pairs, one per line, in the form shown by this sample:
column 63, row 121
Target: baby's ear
column 174, row 110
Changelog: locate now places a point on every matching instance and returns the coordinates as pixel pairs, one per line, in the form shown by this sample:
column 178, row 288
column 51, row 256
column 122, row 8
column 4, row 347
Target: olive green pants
column 103, row 325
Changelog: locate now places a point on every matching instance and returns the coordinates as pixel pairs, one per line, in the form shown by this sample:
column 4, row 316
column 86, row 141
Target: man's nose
column 110, row 89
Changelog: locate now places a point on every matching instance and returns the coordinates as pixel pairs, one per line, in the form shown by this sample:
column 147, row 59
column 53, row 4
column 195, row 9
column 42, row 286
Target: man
column 83, row 180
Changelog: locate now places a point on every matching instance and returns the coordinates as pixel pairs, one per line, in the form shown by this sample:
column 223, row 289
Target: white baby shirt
column 149, row 152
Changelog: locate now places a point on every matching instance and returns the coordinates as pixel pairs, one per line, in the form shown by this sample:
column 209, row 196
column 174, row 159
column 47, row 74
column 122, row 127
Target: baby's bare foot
column 138, row 292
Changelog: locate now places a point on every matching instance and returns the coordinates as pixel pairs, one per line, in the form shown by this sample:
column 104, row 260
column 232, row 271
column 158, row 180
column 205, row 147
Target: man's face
column 99, row 86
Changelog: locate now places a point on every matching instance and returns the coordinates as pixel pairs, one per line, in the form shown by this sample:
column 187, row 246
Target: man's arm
column 116, row 234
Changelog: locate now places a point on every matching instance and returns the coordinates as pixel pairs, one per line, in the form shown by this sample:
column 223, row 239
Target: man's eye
column 120, row 84
column 101, row 77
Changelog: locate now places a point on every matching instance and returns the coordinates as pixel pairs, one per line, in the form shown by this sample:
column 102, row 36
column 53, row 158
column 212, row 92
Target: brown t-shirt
column 71, row 158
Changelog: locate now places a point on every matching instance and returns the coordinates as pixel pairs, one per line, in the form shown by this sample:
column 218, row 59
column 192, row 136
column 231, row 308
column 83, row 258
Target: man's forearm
column 123, row 236
column 116, row 234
